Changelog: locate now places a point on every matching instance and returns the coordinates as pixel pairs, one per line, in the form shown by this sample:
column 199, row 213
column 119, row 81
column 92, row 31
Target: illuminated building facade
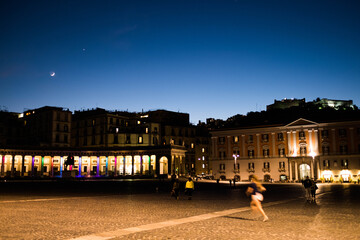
column 328, row 151
column 105, row 143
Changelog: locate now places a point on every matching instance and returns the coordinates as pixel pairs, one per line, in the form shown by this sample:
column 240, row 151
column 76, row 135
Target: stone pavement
column 214, row 213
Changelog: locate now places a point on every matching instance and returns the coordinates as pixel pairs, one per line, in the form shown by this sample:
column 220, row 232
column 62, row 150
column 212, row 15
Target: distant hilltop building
column 321, row 103
column 286, row 103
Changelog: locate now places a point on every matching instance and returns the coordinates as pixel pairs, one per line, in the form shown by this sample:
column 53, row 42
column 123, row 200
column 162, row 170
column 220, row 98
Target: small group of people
column 310, row 189
column 254, row 191
column 189, row 188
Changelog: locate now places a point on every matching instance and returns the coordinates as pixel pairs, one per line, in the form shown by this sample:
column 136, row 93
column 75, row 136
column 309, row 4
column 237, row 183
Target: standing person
column 189, row 188
column 307, row 185
column 254, row 190
column 313, row 189
column 175, row 189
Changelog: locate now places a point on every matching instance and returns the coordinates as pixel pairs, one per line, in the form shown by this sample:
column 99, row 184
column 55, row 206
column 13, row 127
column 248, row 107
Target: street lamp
column 235, row 157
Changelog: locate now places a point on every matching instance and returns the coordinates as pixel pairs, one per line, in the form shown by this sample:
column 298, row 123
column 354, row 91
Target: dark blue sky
column 206, row 58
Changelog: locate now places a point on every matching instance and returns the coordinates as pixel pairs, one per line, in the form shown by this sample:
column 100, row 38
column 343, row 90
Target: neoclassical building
column 150, row 161
column 328, row 151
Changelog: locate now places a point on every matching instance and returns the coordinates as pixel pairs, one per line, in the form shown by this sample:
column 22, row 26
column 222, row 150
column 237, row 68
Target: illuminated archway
column 304, row 171
column 163, row 165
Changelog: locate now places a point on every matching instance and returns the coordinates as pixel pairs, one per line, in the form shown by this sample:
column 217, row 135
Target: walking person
column 189, row 188
column 175, row 189
column 307, row 185
column 254, row 190
column 313, row 189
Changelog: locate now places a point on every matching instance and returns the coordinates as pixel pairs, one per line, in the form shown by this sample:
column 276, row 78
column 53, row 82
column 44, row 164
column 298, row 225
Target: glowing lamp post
column 235, row 157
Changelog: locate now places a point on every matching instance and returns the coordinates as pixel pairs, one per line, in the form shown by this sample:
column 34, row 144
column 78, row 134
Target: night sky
column 206, row 58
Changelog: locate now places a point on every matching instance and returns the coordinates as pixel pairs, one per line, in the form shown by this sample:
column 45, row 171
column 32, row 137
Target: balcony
column 266, row 170
column 250, row 170
column 282, row 170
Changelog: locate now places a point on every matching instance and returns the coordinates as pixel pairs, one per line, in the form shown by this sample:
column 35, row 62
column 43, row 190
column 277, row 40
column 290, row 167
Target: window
column 111, row 120
column 221, row 140
column 251, row 165
column 281, row 165
column 65, row 138
column 324, row 133
column 146, row 130
column 192, row 145
column 127, row 139
column 57, row 138
column 302, row 150
column 266, row 165
column 326, row 164
column 222, row 166
column 116, row 139
column 280, row 137
column 345, row 164
column 325, row 149
column 343, row 148
column 250, row 139
column 222, row 154
column 66, row 128
column 57, row 127
column 138, row 122
column 236, row 152
column 281, row 151
column 266, row 152
column 236, row 166
column 140, row 139
column 265, row 137
column 93, row 122
column 250, row 153
column 203, row 150
column 235, row 139
column 203, row 166
column 302, row 135
column 342, row 132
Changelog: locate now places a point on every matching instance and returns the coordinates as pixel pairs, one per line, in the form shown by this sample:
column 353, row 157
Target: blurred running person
column 254, row 190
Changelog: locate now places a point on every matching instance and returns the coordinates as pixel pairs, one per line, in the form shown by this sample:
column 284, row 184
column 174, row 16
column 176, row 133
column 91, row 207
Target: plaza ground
column 144, row 210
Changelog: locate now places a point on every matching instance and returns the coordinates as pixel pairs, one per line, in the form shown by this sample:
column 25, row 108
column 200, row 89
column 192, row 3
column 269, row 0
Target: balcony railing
column 250, row 170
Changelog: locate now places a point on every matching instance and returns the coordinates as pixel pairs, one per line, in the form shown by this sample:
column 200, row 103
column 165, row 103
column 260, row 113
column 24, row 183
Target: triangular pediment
column 301, row 122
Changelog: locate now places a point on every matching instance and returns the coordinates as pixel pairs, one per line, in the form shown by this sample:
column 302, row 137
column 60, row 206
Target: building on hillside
column 323, row 151
column 286, row 103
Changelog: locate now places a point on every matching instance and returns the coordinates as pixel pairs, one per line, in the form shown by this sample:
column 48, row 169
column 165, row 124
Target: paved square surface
column 114, row 210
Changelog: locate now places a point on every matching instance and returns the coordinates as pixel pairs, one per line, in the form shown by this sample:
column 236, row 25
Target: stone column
column 312, row 168
column 80, row 166
column 289, row 143
column 132, row 164
column 316, row 143
column 22, row 165
column 290, row 171
column 294, row 143
column 2, row 165
column 116, row 171
column 98, row 166
column 12, row 165
column 106, row 166
column 141, row 165
column 33, row 164
column 52, row 166
column 311, row 150
column 296, row 172
column 124, row 165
